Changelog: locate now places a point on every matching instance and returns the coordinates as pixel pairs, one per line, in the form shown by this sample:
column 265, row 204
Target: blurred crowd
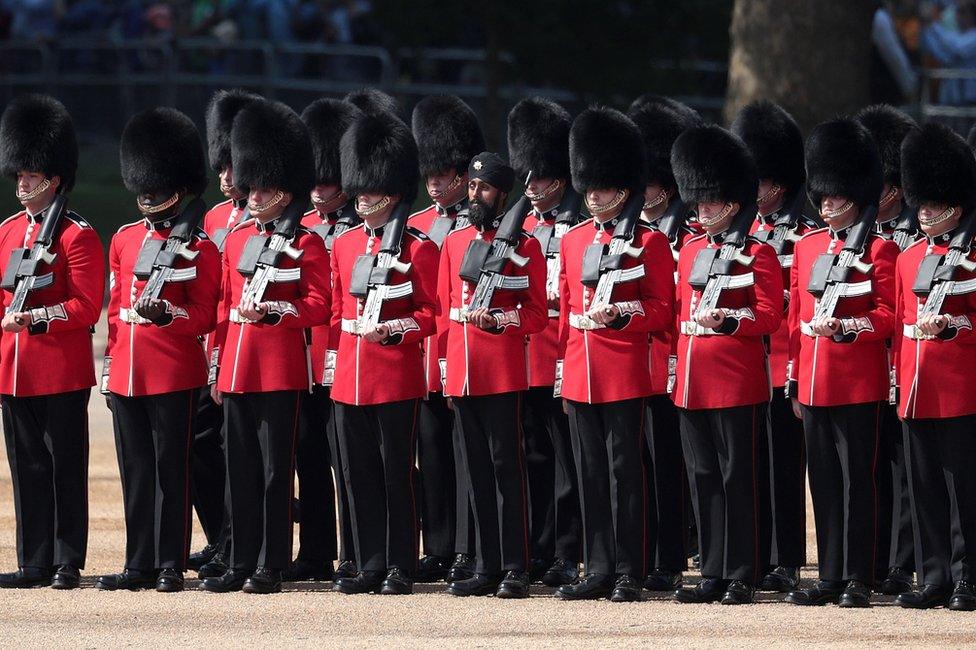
column 319, row 21
column 910, row 35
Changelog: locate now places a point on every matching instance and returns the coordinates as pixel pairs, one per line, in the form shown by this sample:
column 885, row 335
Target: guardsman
column 729, row 300
column 154, row 369
column 269, row 300
column 935, row 359
column 379, row 376
column 538, row 143
column 486, row 372
column 661, row 120
column 332, row 214
column 448, row 137
column 605, row 324
column 838, row 368
column 46, row 369
column 208, row 469
column 776, row 144
column 897, row 221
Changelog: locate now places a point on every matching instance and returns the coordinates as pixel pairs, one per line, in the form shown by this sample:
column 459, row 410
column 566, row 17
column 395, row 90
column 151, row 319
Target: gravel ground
column 310, row 615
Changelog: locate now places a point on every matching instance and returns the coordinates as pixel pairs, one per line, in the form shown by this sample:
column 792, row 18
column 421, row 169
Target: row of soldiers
column 524, row 387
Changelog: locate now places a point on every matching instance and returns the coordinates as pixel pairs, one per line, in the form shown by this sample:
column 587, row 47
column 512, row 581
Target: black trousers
column 153, row 439
column 667, row 487
column 842, row 452
column 607, row 444
column 493, row 455
column 555, row 529
column 316, row 489
column 724, row 452
column 941, row 455
column 208, row 471
column 895, row 537
column 438, row 477
column 260, row 431
column 346, row 547
column 787, row 470
column 377, row 445
column 464, row 541
column 47, row 448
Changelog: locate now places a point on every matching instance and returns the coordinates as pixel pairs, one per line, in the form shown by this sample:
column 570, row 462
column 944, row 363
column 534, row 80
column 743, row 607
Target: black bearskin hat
column 223, row 108
column 538, row 138
column 379, row 155
column 712, row 164
column 271, row 149
column 888, row 126
column 842, row 160
column 372, row 101
column 162, row 151
column 661, row 120
column 971, row 138
column 937, row 166
column 605, row 151
column 37, row 135
column 447, row 133
column 327, row 119
column 775, row 142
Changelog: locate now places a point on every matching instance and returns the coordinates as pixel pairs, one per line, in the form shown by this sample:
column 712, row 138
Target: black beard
column 480, row 214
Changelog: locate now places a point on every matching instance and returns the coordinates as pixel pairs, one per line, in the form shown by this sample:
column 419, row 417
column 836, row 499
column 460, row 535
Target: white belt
column 914, row 333
column 807, row 329
column 553, row 313
column 350, row 326
column 691, row 328
column 235, row 317
column 132, row 317
column 458, row 316
column 584, row 322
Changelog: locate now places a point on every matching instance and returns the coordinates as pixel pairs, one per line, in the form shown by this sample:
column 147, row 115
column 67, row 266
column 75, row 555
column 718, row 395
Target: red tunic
column 422, row 221
column 609, row 364
column 481, row 362
column 54, row 355
column 728, row 369
column 148, row 359
column 830, row 372
column 377, row 373
column 780, row 340
column 260, row 357
column 224, row 216
column 935, row 375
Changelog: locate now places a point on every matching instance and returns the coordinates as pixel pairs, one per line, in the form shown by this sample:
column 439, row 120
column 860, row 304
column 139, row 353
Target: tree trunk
column 810, row 56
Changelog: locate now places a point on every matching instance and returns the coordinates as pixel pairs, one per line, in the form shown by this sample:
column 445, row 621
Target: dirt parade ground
column 309, row 614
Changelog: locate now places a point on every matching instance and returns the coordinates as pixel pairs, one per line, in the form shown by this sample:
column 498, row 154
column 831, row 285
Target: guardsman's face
column 149, row 200
column 655, row 195
column 35, row 191
column 446, row 188
column 267, row 203
column 544, row 193
column 715, row 216
column 937, row 218
column 227, row 186
column 838, row 212
column 478, row 190
column 325, row 194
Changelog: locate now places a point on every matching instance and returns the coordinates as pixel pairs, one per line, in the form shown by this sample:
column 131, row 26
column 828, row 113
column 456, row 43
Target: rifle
column 259, row 259
column 672, row 221
column 934, row 280
column 21, row 275
column 549, row 236
column 906, row 227
column 828, row 279
column 712, row 270
column 602, row 264
column 157, row 258
column 483, row 263
column 784, row 235
column 371, row 273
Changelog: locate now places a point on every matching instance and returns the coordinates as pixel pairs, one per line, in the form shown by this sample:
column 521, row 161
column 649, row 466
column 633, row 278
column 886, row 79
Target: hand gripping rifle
column 934, row 280
column 828, row 279
column 483, row 263
column 549, row 236
column 784, row 233
column 260, row 257
column 157, row 258
column 21, row 275
column 711, row 272
column 602, row 265
column 371, row 273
